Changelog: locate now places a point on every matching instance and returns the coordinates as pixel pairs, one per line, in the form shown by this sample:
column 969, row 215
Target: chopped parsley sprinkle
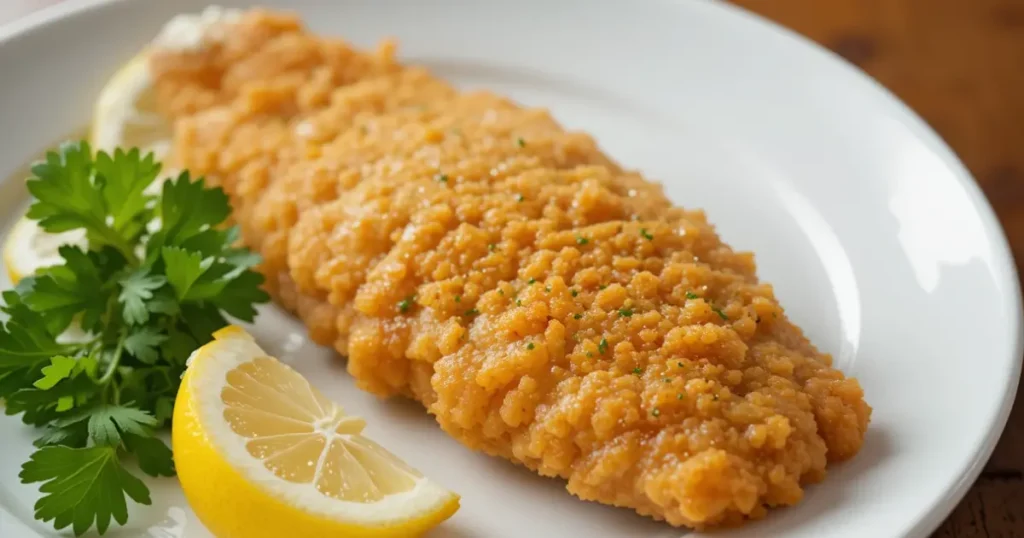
column 492, row 247
column 519, row 302
column 589, row 354
column 580, row 240
column 602, row 287
column 691, row 295
column 679, row 396
column 458, row 298
column 520, row 142
column 531, row 281
column 547, row 289
column 501, row 292
column 530, row 345
column 405, row 304
column 574, row 293
column 625, row 312
column 656, row 412
column 520, row 198
column 638, row 370
column 443, row 178
column 471, row 312
column 680, row 364
column 646, row 235
column 720, row 313
column 602, row 346
column 577, row 316
column 667, row 380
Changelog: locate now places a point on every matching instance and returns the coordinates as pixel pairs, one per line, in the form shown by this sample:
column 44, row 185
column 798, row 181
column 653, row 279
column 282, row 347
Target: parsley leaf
column 107, row 422
column 62, row 291
column 144, row 344
column 66, row 195
column 240, row 294
column 125, row 176
column 188, row 207
column 136, row 289
column 154, row 457
column 82, row 486
column 60, row 368
column 183, row 269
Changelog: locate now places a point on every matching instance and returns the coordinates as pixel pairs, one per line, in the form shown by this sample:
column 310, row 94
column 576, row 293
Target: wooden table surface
column 960, row 64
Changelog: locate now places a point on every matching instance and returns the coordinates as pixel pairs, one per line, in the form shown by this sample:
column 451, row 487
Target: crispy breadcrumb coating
column 545, row 305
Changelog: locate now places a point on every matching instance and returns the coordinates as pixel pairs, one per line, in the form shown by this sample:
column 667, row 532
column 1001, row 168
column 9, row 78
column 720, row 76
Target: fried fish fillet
column 544, row 304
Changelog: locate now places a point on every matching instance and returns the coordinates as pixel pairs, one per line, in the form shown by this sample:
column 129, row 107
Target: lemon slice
column 261, row 453
column 28, row 248
column 125, row 115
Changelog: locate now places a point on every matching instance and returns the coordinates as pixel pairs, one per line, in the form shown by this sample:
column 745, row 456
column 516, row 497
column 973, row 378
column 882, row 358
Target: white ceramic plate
column 877, row 239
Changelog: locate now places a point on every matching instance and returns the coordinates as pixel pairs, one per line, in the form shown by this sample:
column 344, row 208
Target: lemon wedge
column 28, row 248
column 261, row 453
column 125, row 114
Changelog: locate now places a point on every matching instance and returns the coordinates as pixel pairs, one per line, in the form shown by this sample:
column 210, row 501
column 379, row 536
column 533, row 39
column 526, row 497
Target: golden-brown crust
column 545, row 305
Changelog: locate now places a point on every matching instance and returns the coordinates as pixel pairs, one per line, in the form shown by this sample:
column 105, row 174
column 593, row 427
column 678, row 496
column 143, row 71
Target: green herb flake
column 443, row 178
column 519, row 302
column 667, row 379
column 580, row 240
column 625, row 312
column 602, row 346
column 531, row 281
column 577, row 316
column 679, row 396
column 405, row 304
column 471, row 312
column 458, row 298
column 720, row 313
column 574, row 293
column 638, row 370
column 656, row 412
column 547, row 289
column 589, row 354
column 520, row 197
column 691, row 295
column 520, row 142
column 530, row 346
column 492, row 247
column 646, row 235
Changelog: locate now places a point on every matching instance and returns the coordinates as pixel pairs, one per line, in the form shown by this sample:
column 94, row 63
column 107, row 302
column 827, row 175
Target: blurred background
column 960, row 65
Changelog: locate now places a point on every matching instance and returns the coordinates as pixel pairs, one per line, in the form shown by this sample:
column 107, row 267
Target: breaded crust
column 544, row 304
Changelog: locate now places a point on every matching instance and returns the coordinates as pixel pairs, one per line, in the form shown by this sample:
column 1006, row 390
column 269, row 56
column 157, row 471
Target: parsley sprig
column 93, row 349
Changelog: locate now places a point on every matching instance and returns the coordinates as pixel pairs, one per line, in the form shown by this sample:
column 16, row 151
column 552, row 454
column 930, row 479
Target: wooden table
column 960, row 64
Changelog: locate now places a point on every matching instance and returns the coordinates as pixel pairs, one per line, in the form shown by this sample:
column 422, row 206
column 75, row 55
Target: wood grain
column 960, row 64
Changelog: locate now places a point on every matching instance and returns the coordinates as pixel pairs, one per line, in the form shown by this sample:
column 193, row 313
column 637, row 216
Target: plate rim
column 942, row 505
